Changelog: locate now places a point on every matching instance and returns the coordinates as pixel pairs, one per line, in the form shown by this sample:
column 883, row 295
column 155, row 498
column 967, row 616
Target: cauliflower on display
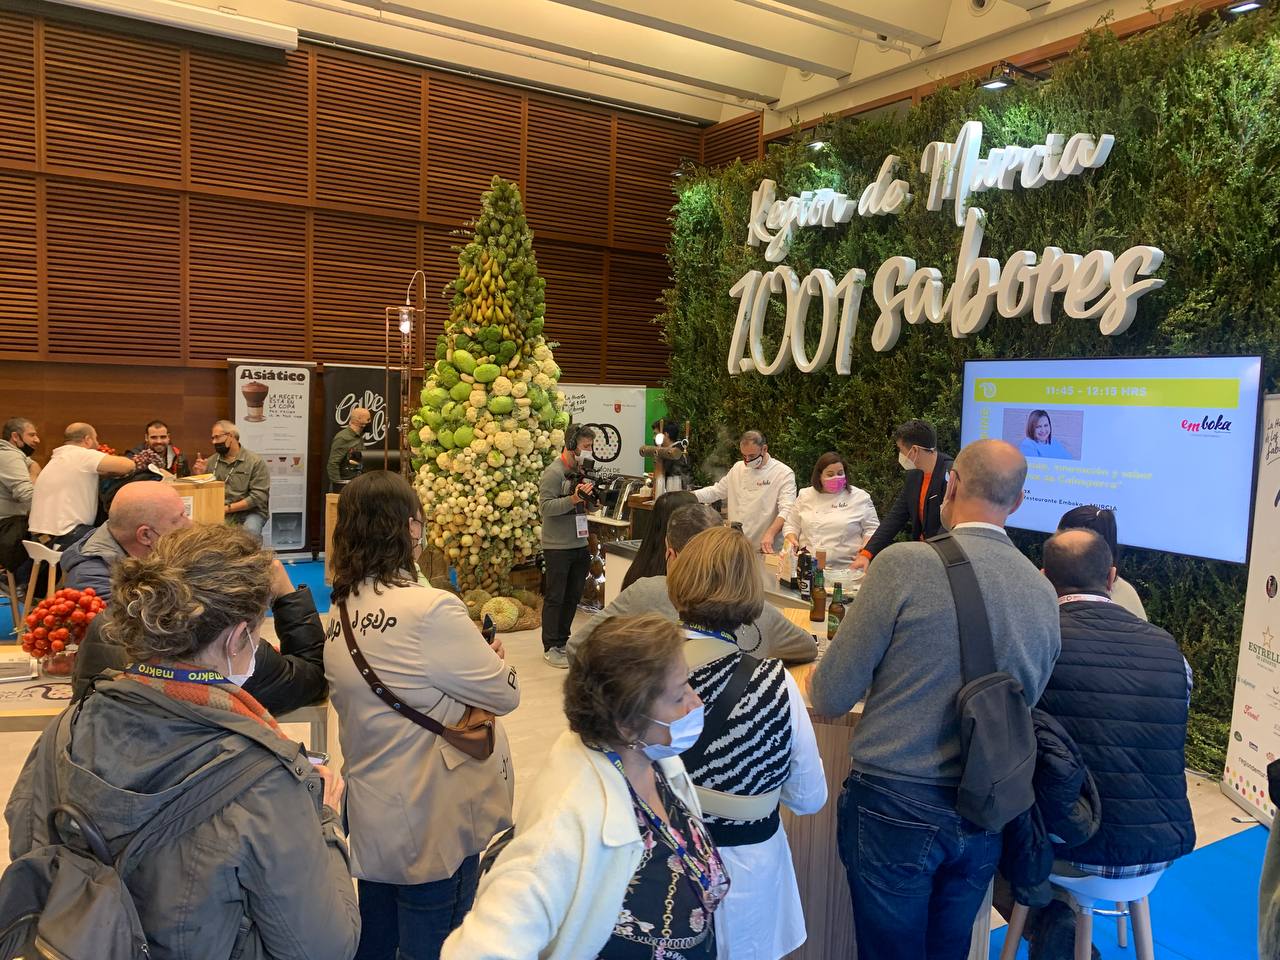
column 479, row 452
column 504, row 610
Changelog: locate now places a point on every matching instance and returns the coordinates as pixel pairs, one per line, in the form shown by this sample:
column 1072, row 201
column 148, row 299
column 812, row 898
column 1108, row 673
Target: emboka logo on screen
column 1220, row 425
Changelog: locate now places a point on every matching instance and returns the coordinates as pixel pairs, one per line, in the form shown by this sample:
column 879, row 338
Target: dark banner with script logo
column 347, row 387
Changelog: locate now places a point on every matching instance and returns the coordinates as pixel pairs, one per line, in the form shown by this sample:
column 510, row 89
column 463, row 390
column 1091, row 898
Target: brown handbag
column 474, row 735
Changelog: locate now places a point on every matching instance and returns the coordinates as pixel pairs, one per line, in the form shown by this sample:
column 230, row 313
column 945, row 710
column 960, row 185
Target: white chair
column 1128, row 894
column 39, row 554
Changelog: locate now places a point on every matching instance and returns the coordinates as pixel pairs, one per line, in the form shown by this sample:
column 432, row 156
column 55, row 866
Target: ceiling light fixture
column 1244, row 7
column 1004, row 74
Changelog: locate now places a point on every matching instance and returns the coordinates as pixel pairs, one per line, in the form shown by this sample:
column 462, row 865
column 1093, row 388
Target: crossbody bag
column 474, row 734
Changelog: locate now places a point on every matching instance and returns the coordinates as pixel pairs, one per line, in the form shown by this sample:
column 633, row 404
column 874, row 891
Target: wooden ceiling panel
column 368, row 133
column 19, row 293
column 112, row 103
column 249, row 123
column 246, row 280
column 114, row 272
column 637, row 353
column 567, row 171
column 473, row 132
column 17, row 89
column 360, row 266
column 575, row 301
column 648, row 153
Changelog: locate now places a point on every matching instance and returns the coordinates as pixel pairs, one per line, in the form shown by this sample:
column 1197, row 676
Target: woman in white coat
column 830, row 514
column 609, row 860
column 419, row 811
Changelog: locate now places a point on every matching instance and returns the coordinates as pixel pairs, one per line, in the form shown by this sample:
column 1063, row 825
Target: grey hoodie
column 15, row 481
column 265, row 878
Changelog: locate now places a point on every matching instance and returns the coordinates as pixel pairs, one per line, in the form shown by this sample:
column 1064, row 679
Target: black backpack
column 69, row 899
column 997, row 738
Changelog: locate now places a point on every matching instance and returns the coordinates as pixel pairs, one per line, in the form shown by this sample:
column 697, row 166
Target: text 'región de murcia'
column 1094, row 286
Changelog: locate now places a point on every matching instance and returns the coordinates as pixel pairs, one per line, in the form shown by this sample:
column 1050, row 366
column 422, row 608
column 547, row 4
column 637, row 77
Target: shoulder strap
column 977, row 656
column 380, row 689
column 197, row 804
column 714, row 722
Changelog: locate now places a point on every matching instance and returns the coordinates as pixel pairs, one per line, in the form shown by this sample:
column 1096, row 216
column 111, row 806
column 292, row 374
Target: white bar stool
column 39, row 554
column 1128, row 894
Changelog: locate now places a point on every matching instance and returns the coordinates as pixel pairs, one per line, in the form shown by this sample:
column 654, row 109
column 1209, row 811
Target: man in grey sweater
column 565, row 557
column 771, row 635
column 917, row 869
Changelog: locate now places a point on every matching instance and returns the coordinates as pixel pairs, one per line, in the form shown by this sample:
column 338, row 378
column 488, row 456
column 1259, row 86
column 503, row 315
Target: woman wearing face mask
column 264, row 877
column 757, row 750
column 609, row 859
column 419, row 811
column 832, row 515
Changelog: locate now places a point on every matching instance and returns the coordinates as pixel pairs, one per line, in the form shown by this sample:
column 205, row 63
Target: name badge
column 581, row 520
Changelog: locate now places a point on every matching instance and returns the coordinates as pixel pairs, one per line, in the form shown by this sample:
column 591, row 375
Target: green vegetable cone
column 491, row 417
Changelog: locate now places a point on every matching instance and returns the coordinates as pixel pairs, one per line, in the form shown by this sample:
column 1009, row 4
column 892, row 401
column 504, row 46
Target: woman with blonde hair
column 757, row 748
column 264, row 877
column 609, row 860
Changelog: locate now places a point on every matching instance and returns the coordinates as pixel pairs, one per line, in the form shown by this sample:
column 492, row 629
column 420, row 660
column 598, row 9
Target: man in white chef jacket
column 760, row 491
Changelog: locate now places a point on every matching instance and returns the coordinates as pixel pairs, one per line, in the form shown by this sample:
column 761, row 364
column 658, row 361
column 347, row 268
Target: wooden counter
column 330, row 521
column 206, row 502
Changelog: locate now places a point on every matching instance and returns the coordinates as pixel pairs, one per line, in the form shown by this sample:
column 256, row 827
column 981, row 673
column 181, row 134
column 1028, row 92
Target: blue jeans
column 918, row 871
column 412, row 922
column 253, row 523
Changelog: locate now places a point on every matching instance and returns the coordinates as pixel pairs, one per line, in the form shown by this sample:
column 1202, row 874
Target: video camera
column 585, row 472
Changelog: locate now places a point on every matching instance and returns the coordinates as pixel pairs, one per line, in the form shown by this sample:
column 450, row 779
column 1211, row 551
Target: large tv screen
column 1169, row 444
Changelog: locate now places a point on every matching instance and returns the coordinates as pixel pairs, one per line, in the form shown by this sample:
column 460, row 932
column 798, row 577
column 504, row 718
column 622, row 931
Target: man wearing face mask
column 919, row 503
column 564, row 495
column 18, row 472
column 760, row 492
column 247, row 484
column 345, row 453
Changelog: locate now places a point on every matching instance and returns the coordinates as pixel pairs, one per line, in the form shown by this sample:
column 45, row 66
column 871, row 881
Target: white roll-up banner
column 617, row 414
column 1255, row 715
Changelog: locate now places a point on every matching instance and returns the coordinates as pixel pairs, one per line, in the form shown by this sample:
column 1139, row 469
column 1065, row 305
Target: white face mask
column 684, row 734
column 905, row 461
column 657, row 439
column 240, row 679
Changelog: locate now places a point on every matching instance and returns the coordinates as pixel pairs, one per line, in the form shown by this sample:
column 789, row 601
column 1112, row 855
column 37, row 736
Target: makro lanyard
column 1095, row 597
column 691, row 865
column 179, row 674
column 724, row 635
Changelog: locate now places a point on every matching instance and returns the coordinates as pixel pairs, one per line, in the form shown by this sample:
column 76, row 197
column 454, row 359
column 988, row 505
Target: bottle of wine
column 835, row 612
column 787, row 566
column 804, row 572
column 818, row 598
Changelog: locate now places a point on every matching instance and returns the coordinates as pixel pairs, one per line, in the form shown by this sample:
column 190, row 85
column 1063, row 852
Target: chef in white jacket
column 831, row 515
column 760, row 491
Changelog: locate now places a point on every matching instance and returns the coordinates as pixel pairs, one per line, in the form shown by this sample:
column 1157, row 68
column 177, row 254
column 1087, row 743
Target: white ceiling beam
column 725, row 24
column 577, row 34
column 920, row 22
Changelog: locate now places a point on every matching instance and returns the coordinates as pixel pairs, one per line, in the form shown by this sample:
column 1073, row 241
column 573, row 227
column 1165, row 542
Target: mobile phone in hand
column 317, row 759
column 488, row 630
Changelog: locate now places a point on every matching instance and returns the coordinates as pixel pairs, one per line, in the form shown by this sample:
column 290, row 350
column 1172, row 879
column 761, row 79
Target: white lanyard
column 1096, row 598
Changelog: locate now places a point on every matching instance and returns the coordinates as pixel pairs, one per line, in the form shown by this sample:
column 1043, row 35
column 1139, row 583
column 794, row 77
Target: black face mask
column 221, row 448
column 27, row 449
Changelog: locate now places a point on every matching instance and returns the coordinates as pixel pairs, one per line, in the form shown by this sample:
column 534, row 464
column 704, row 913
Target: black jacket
column 1067, row 809
column 905, row 512
column 1120, row 689
column 282, row 680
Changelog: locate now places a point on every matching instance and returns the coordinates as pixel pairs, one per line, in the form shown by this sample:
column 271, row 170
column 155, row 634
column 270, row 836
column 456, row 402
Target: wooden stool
column 1129, row 894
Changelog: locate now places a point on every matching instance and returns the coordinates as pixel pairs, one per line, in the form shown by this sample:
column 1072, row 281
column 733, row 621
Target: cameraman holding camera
column 565, row 493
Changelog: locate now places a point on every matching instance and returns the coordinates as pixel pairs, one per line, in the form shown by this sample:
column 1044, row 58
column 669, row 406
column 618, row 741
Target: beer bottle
column 835, row 612
column 818, row 598
column 804, row 571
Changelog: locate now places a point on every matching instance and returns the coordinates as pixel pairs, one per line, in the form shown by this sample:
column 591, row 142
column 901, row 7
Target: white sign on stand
column 1255, row 714
column 616, row 413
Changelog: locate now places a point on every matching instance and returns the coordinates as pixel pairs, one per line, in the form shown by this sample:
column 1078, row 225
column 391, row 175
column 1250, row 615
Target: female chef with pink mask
column 831, row 514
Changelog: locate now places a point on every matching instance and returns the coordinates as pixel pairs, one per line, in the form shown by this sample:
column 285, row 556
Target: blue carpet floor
column 1204, row 908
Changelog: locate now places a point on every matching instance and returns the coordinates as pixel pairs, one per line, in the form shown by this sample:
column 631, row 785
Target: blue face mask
column 684, row 734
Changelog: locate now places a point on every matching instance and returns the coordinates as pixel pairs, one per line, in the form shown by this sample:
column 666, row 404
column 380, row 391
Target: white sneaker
column 556, row 657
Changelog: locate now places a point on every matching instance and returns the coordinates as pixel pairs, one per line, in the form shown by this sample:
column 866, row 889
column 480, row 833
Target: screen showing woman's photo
column 1048, row 434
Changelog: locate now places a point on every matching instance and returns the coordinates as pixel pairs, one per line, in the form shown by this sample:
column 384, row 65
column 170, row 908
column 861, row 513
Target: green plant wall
column 1195, row 171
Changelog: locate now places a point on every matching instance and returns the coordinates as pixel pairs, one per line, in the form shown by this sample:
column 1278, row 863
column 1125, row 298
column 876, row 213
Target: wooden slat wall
column 165, row 205
column 738, row 139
